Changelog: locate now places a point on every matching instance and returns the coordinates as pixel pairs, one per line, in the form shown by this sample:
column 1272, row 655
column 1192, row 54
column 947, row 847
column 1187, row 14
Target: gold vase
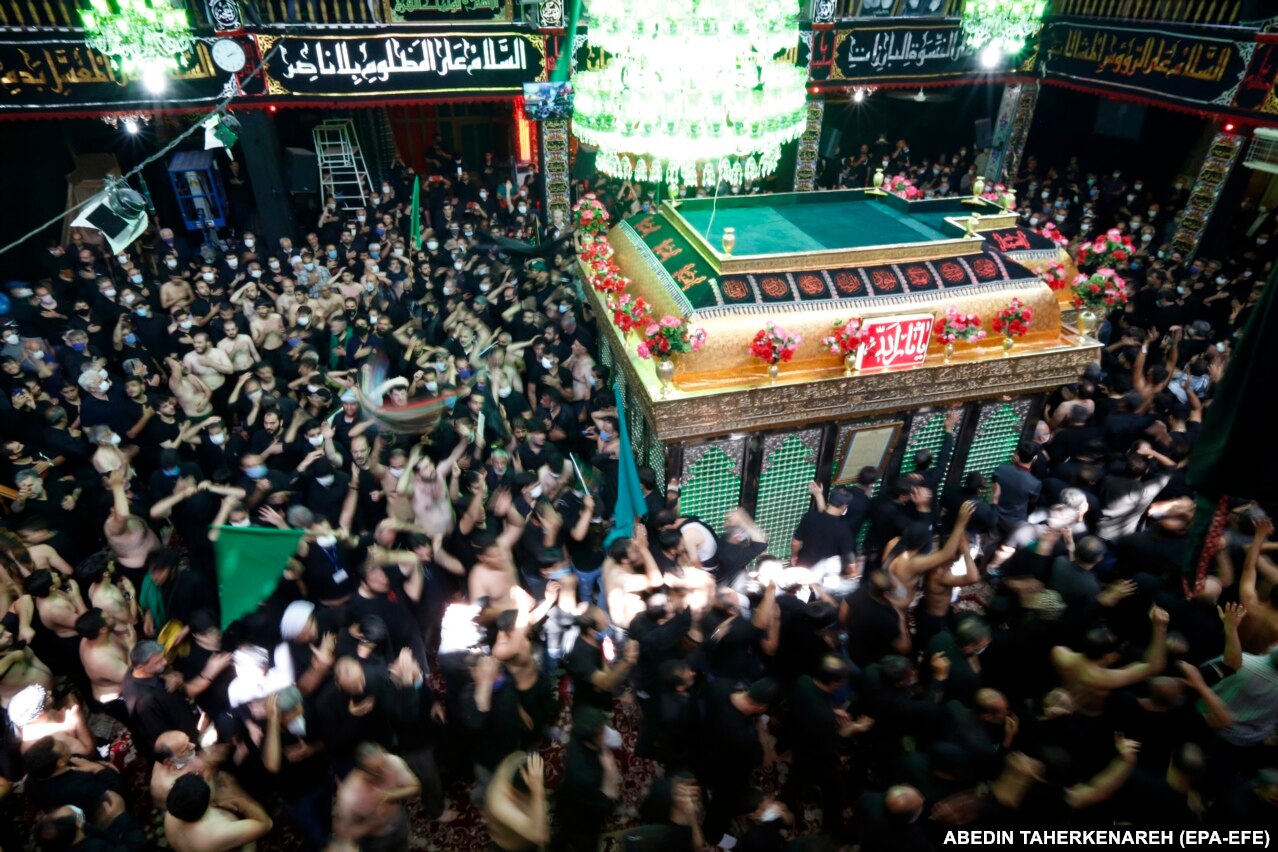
column 1008, row 343
column 1087, row 322
column 665, row 375
column 978, row 189
column 849, row 363
column 729, row 240
column 878, row 183
column 949, row 352
column 773, row 370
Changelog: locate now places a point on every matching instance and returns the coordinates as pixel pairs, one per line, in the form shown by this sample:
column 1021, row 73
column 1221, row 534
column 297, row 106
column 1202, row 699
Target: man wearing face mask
column 324, row 490
column 297, row 761
column 153, row 708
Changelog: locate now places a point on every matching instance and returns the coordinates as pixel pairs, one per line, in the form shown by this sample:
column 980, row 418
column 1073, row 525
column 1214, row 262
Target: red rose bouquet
column 847, row 338
column 1102, row 290
column 953, row 326
column 631, row 313
column 1014, row 320
column 774, row 345
column 900, row 185
column 670, row 336
column 589, row 215
column 1107, row 250
column 1055, row 276
column 1054, row 234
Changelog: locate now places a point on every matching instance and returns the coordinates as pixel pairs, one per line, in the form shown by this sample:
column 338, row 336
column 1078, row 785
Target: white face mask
column 171, row 262
column 503, row 392
column 396, row 472
column 11, row 339
column 122, row 258
column 249, row 242
column 326, row 541
column 136, row 279
column 535, row 493
column 185, row 325
column 208, row 276
column 303, row 321
column 547, row 364
column 325, row 480
column 103, row 388
column 523, row 208
column 432, row 245
column 115, row 440
column 232, row 263
column 484, row 288
column 218, row 438
column 297, row 727
column 275, row 265
column 243, row 523
column 370, row 286
column 128, row 298
column 432, row 386
column 316, row 440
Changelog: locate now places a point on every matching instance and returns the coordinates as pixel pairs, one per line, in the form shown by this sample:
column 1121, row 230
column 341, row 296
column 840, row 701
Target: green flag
column 630, row 502
column 1231, row 457
column 417, row 213
column 249, row 563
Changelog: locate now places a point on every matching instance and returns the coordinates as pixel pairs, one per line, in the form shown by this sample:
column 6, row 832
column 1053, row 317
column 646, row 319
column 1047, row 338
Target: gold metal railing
column 1208, row 12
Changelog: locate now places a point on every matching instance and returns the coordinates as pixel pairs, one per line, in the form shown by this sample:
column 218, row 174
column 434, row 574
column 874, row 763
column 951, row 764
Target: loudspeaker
column 831, row 142
column 984, row 134
column 301, row 171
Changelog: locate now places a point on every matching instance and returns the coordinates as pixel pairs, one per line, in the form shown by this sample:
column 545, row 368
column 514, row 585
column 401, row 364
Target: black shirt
column 77, row 787
column 583, row 661
column 582, row 806
column 154, row 710
column 731, row 742
column 823, row 536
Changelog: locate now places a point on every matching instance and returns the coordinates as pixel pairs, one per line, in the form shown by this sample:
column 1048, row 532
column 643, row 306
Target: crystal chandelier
column 144, row 36
column 693, row 92
column 1002, row 25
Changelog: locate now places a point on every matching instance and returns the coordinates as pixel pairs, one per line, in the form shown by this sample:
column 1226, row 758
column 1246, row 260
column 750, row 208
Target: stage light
column 154, row 79
column 1006, row 23
column 920, row 97
column 130, row 126
column 991, row 55
column 858, row 96
column 1229, row 127
column 271, row 108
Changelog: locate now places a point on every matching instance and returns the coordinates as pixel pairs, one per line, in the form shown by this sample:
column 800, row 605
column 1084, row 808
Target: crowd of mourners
column 1016, row 652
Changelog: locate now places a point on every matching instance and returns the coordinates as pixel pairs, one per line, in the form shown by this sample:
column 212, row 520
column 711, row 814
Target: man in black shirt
column 153, row 708
column 735, row 744
column 590, row 787
column 823, row 535
column 56, row 777
column 594, row 677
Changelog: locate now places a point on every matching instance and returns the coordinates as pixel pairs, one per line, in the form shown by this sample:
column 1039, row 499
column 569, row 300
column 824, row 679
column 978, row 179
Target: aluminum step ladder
column 342, row 170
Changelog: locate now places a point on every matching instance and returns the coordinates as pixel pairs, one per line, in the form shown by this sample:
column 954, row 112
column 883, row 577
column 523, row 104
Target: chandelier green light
column 693, row 92
column 1002, row 25
column 144, row 37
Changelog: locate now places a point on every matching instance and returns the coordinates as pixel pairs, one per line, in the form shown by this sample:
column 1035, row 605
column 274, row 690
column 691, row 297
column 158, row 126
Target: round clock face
column 229, row 55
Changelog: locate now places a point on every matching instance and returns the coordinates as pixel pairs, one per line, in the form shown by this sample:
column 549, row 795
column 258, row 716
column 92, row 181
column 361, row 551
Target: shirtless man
column 175, row 756
column 267, row 328
column 515, row 804
column 367, row 811
column 192, row 393
column 20, row 668
column 55, row 602
column 1087, row 675
column 933, row 612
column 175, row 293
column 208, row 363
column 629, row 571
column 240, row 350
column 194, row 824
column 582, row 367
column 492, row 580
column 32, row 713
column 129, row 536
column 432, row 510
column 105, row 659
column 906, row 560
column 113, row 594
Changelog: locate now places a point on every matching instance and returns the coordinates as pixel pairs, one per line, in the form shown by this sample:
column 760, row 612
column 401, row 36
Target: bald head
column 991, row 704
column 1165, row 692
column 903, row 803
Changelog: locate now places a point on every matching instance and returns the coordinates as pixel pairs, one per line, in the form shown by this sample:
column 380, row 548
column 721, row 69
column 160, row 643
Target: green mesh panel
column 998, row 431
column 783, row 490
column 635, row 416
column 712, row 487
column 657, row 460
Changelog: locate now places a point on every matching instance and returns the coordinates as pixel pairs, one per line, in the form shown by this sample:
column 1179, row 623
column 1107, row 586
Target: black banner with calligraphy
column 445, row 11
column 873, row 51
column 1259, row 89
column 403, row 64
column 62, row 74
column 1198, row 67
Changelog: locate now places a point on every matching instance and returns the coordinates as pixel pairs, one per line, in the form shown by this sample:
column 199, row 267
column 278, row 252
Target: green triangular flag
column 249, row 563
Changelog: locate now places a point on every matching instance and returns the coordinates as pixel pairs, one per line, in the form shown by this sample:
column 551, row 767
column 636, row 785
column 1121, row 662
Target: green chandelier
column 144, row 37
column 693, row 92
column 1001, row 25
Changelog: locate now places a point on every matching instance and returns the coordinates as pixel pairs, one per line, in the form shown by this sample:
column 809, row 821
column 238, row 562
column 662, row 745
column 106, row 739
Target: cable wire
column 218, row 109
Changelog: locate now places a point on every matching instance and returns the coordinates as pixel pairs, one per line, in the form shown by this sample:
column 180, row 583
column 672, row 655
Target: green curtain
column 249, row 563
column 416, row 226
column 1233, row 456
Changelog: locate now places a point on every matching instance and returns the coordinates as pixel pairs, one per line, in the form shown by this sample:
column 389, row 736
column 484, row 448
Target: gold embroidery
column 647, row 225
column 687, row 276
column 665, row 249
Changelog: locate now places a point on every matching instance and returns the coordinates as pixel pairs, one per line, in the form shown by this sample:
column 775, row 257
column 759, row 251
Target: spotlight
column 858, row 96
column 1229, row 127
column 130, row 126
column 154, row 79
column 991, row 56
column 920, row 97
column 271, row 107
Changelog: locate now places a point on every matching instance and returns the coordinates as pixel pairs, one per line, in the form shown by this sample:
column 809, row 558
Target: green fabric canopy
column 249, row 563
